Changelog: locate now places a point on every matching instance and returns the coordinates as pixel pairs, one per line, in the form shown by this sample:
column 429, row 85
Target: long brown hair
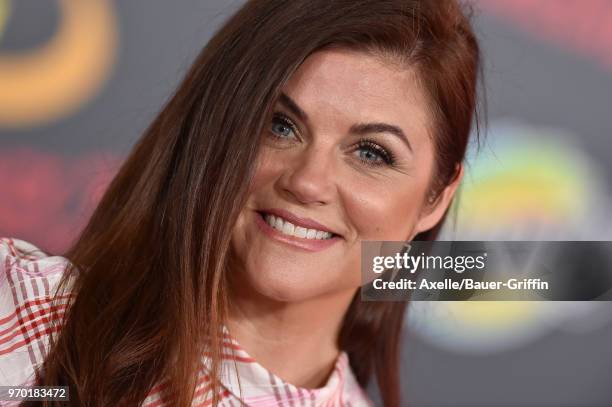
column 150, row 267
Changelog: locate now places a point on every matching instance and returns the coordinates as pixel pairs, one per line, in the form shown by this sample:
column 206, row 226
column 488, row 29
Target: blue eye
column 373, row 154
column 282, row 127
column 369, row 155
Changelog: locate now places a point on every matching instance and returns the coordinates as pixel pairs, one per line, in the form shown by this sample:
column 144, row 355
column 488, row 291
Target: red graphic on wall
column 47, row 198
column 583, row 26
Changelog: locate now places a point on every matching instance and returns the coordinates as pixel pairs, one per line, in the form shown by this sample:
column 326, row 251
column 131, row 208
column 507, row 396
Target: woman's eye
column 373, row 154
column 282, row 127
column 369, row 155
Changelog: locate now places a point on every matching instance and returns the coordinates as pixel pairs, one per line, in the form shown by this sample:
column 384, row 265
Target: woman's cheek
column 380, row 214
column 264, row 169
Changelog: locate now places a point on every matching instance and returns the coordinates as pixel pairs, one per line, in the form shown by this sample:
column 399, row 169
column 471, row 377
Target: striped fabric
column 27, row 282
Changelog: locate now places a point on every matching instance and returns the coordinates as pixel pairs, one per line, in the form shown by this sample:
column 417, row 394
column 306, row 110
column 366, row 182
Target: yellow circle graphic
column 52, row 81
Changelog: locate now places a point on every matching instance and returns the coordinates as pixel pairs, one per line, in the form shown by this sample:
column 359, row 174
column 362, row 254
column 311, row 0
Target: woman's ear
column 432, row 212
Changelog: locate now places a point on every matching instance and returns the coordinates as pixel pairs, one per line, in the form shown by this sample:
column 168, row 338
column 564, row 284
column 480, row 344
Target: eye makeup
column 279, row 119
column 375, row 155
column 386, row 157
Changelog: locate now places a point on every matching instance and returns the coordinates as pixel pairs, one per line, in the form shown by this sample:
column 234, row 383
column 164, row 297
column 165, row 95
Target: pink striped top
column 27, row 283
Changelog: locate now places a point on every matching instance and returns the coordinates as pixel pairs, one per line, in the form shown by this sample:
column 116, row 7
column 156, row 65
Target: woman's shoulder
column 29, row 278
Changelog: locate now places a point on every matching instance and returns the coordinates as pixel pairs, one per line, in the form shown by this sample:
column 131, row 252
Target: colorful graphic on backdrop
column 533, row 183
column 47, row 198
column 50, row 82
column 4, row 13
column 583, row 26
column 527, row 183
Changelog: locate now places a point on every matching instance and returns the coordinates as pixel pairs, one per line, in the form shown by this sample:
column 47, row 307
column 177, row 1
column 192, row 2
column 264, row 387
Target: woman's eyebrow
column 286, row 101
column 358, row 129
column 365, row 128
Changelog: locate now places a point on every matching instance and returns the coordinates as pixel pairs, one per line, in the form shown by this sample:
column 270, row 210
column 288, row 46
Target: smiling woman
column 222, row 264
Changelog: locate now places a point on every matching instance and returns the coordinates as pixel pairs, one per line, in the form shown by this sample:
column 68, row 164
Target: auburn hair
column 149, row 270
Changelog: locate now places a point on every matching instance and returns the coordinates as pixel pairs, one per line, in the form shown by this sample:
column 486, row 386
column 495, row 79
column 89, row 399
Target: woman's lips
column 297, row 220
column 312, row 245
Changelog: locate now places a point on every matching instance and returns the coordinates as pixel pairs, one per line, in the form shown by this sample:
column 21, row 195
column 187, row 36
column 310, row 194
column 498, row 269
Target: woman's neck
column 297, row 341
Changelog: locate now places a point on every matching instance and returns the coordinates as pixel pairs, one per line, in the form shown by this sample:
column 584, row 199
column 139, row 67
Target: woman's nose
column 309, row 177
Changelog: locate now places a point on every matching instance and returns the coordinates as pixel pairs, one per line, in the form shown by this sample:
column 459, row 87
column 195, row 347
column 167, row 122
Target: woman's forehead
column 358, row 86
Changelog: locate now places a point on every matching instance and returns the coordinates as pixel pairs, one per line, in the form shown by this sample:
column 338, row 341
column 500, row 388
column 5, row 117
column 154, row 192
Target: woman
column 222, row 263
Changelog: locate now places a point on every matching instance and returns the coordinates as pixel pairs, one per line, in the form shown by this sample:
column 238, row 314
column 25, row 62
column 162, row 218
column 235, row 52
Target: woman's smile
column 283, row 226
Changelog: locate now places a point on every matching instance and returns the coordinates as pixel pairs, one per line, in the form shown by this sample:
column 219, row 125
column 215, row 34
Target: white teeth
column 289, row 228
column 300, row 232
column 277, row 223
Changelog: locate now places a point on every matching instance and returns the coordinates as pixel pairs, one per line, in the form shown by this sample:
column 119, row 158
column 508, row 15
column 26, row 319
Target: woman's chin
column 285, row 288
column 283, row 284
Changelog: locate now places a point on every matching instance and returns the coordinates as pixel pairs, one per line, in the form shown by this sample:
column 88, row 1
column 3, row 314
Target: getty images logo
column 403, row 260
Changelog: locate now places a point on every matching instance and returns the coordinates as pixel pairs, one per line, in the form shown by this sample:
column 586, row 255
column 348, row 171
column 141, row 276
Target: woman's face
column 347, row 157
